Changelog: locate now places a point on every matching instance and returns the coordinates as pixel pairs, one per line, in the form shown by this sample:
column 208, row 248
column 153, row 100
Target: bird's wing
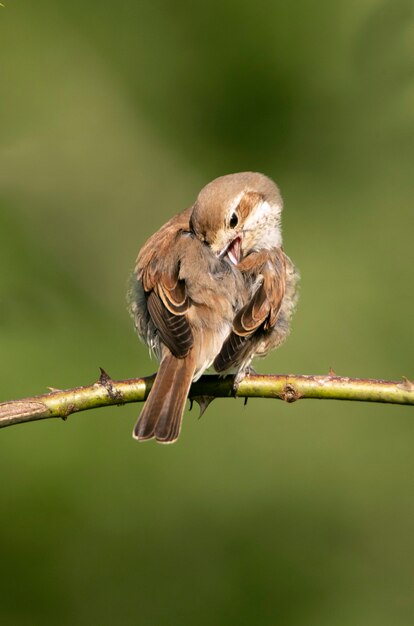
column 260, row 313
column 169, row 319
column 167, row 298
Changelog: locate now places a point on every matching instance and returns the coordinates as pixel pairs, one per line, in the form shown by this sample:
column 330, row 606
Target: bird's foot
column 240, row 376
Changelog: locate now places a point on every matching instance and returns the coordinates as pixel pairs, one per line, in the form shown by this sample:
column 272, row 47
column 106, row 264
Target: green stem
column 106, row 392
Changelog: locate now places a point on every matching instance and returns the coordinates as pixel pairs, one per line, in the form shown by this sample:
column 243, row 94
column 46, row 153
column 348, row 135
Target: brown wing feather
column 167, row 298
column 253, row 314
column 265, row 304
column 260, row 313
column 174, row 330
column 232, row 349
column 173, row 293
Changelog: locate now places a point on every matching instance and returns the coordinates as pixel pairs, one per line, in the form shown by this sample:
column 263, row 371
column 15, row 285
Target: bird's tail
column 163, row 411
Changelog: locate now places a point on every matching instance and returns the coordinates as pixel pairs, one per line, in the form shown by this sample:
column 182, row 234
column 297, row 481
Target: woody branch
column 107, row 392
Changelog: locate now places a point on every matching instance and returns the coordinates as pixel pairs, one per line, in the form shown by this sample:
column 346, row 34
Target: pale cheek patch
column 262, row 226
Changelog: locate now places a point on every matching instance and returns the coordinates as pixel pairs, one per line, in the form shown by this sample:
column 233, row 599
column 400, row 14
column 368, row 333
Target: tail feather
column 162, row 414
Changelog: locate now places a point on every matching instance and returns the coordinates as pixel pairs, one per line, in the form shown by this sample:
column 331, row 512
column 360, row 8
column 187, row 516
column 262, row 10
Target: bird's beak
column 233, row 250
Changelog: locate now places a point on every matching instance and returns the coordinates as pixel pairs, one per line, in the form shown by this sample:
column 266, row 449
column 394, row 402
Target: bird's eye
column 234, row 220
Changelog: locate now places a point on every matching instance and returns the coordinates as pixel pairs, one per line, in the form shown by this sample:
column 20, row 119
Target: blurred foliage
column 112, row 118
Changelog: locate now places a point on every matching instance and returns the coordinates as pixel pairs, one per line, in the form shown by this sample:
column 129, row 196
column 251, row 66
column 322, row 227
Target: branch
column 106, row 392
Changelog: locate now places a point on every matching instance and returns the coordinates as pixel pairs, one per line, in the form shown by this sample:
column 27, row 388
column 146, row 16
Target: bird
column 211, row 288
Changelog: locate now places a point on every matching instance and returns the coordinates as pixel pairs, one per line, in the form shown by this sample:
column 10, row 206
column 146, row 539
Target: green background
column 112, row 117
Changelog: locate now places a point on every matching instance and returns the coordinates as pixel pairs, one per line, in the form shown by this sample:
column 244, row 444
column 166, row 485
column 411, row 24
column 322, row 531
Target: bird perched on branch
column 212, row 287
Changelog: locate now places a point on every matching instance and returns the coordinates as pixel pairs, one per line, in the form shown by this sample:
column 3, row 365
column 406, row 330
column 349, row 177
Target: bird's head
column 237, row 214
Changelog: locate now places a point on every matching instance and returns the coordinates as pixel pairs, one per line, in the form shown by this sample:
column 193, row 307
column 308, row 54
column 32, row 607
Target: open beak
column 234, row 251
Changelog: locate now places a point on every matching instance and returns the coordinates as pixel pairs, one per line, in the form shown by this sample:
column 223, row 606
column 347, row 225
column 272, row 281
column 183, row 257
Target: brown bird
column 213, row 285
